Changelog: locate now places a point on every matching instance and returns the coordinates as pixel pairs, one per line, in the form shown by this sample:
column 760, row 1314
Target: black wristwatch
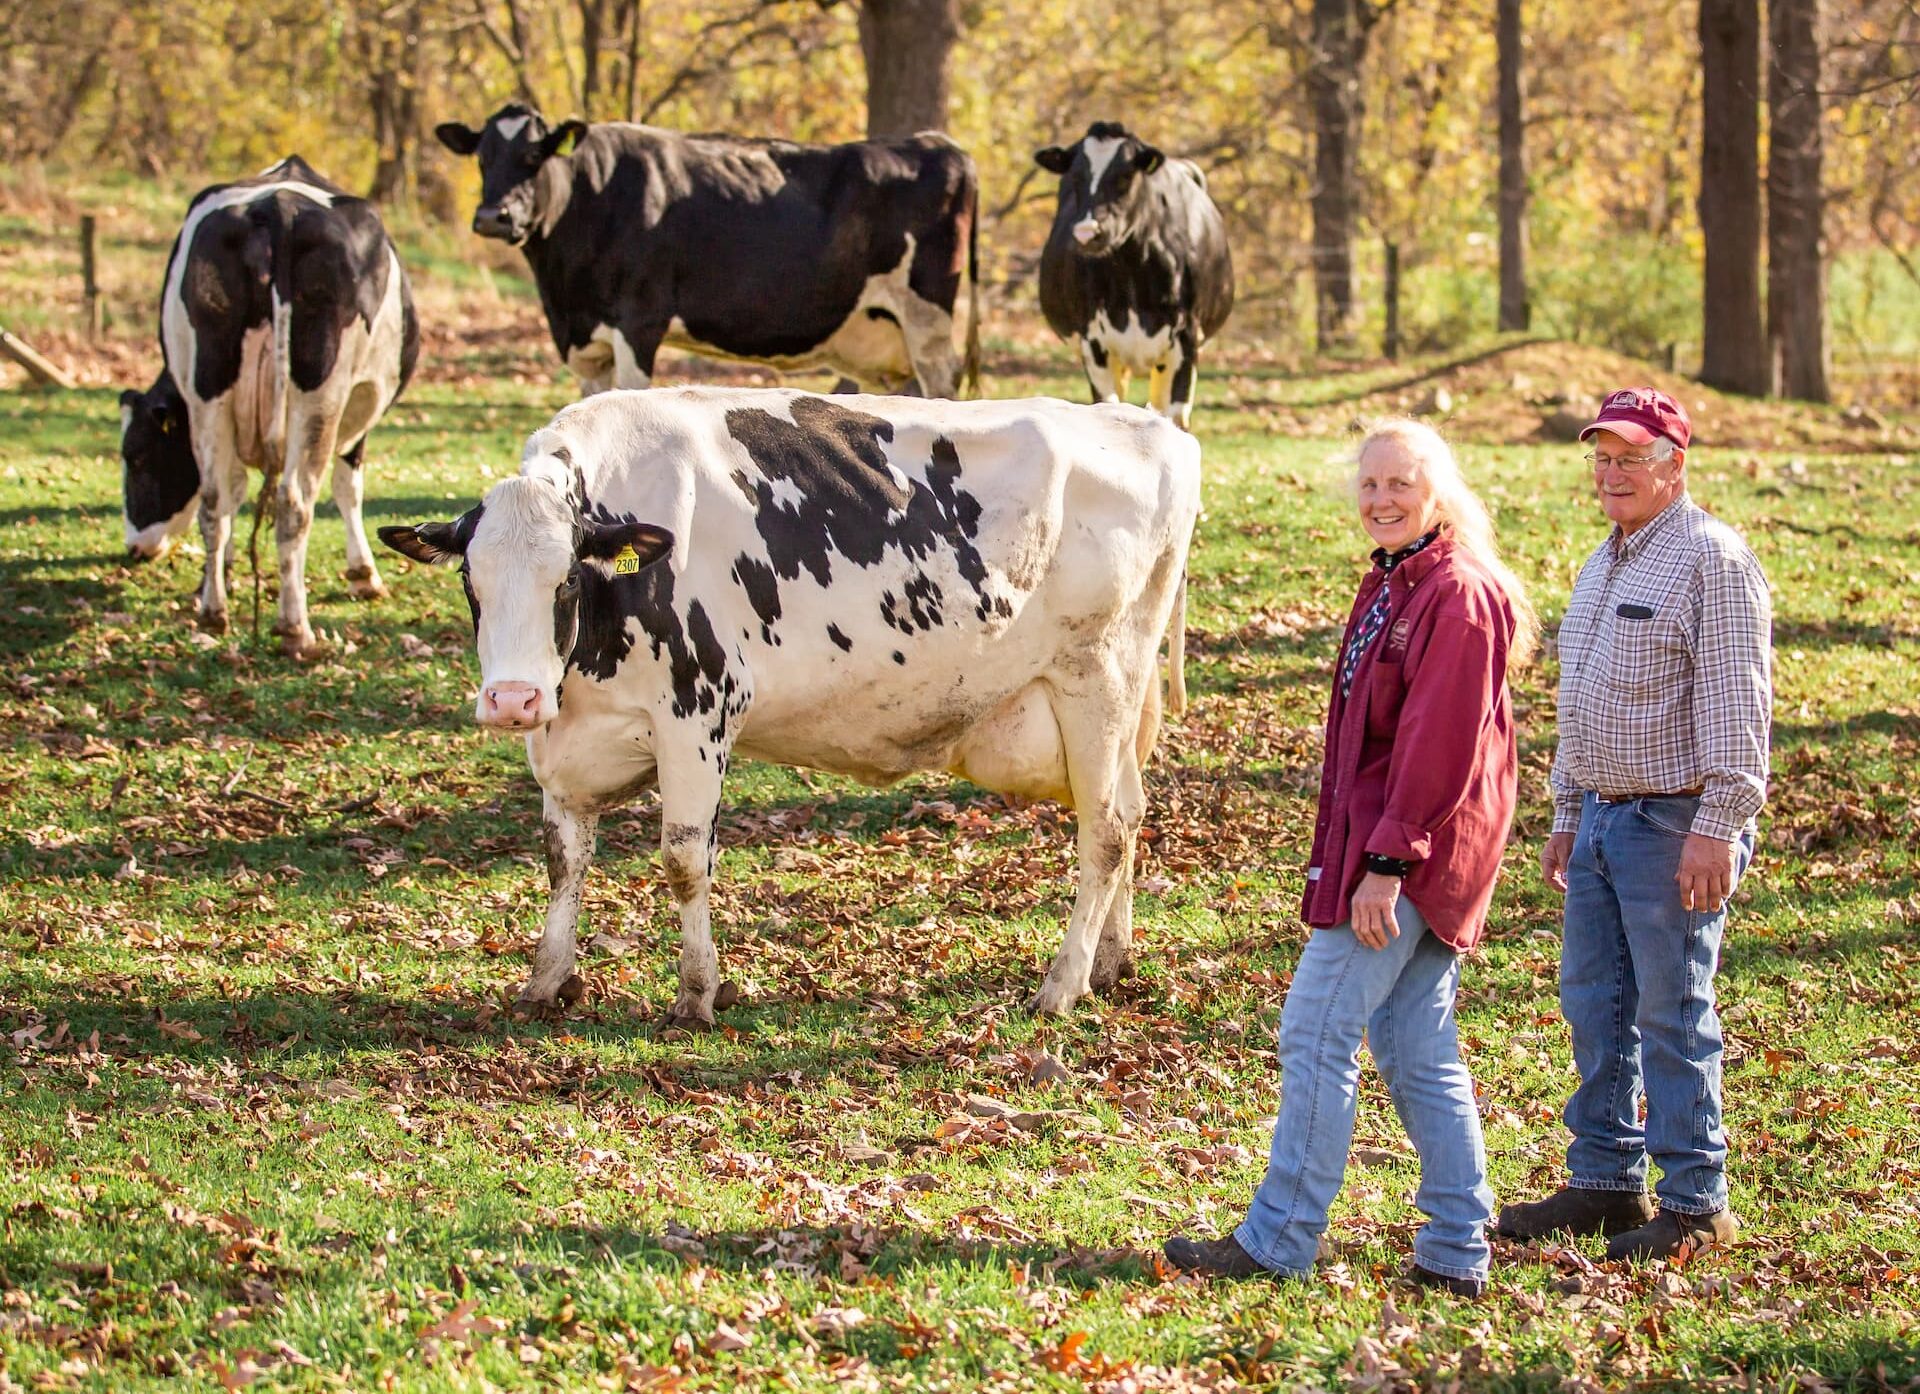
column 1388, row 866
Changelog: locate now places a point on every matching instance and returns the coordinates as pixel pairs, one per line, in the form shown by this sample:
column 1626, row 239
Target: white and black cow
column 798, row 256
column 870, row 586
column 1136, row 269
column 287, row 327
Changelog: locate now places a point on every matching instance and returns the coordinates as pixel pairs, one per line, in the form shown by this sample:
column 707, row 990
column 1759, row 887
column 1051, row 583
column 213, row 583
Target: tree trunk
column 1514, row 311
column 1333, row 87
column 392, row 57
column 593, row 28
column 1733, row 339
column 1796, row 258
column 907, row 45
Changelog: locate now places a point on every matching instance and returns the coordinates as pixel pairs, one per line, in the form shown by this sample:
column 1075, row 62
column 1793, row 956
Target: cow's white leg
column 1097, row 728
column 1113, row 955
column 569, row 837
column 1099, row 365
column 929, row 334
column 349, row 491
column 629, row 368
column 312, row 433
column 1186, row 368
column 689, row 810
column 223, row 489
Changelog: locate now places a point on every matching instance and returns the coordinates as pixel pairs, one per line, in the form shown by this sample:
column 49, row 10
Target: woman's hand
column 1373, row 904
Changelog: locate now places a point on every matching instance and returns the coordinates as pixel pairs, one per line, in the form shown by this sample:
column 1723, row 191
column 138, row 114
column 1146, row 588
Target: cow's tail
column 973, row 291
column 266, row 369
column 1177, row 651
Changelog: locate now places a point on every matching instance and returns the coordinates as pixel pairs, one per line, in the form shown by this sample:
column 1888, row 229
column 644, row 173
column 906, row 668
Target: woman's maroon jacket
column 1420, row 754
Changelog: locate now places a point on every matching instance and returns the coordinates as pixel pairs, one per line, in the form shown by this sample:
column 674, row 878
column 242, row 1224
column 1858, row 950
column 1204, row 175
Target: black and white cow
column 870, row 586
column 287, row 327
column 1136, row 268
column 798, row 256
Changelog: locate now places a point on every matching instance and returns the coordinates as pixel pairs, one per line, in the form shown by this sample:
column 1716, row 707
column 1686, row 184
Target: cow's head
column 1101, row 175
column 160, row 478
column 523, row 553
column 512, row 147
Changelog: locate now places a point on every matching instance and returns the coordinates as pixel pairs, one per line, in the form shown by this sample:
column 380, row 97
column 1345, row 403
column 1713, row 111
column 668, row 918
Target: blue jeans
column 1401, row 997
column 1636, row 988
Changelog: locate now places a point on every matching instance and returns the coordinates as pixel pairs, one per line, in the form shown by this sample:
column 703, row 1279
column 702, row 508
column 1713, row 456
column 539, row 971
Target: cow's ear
column 559, row 135
column 630, row 546
column 1148, row 159
column 1054, row 159
column 461, row 140
column 130, row 399
column 435, row 544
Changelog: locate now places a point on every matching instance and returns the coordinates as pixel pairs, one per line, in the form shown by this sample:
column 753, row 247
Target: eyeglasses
column 1626, row 464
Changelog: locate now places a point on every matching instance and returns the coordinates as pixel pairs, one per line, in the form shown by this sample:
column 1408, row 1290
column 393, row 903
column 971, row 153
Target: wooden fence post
column 40, row 369
column 1392, row 345
column 89, row 247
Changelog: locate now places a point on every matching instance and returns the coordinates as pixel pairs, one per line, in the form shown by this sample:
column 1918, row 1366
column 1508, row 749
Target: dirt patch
column 1510, row 396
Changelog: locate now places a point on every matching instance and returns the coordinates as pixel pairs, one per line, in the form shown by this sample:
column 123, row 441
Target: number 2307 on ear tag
column 626, row 561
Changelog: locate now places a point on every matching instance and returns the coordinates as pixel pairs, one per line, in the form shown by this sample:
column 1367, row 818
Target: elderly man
column 1660, row 771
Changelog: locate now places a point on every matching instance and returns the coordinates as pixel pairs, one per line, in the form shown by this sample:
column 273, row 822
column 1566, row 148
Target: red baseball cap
column 1638, row 414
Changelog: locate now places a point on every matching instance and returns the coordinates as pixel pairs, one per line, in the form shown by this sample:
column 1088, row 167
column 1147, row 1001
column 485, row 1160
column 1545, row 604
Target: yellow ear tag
column 626, row 561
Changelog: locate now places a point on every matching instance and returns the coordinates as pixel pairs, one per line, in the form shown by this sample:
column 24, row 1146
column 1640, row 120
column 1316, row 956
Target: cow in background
column 797, row 256
column 287, row 328
column 1136, row 269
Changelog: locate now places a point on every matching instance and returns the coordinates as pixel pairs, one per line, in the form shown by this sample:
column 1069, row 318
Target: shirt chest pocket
column 1387, row 685
column 1648, row 653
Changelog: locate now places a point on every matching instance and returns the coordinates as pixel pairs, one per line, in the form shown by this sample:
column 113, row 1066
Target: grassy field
column 270, row 1121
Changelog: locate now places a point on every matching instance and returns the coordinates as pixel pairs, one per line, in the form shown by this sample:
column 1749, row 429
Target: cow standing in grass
column 868, row 586
column 798, row 256
column 1136, row 270
column 287, row 328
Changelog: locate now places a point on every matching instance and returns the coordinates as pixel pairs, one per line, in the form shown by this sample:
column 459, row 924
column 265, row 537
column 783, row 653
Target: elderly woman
column 1416, row 796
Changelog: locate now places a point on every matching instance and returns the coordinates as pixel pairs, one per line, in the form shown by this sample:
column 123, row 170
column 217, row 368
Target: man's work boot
column 1572, row 1210
column 1672, row 1235
column 1213, row 1258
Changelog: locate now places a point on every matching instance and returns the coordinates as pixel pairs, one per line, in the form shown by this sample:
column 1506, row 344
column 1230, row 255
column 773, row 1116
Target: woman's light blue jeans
column 1400, row 999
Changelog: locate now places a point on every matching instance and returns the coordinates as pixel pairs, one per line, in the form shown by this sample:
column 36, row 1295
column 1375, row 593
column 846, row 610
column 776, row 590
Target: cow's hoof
column 549, row 1004
column 728, row 996
column 1106, row 975
column 366, row 585
column 212, row 621
column 303, row 648
column 692, row 1025
column 1050, row 1001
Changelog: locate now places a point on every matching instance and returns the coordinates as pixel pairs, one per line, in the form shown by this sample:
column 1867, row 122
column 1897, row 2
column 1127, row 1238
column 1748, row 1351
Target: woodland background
column 1343, row 138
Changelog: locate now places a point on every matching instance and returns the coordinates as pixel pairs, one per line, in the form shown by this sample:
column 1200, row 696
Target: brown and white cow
column 864, row 585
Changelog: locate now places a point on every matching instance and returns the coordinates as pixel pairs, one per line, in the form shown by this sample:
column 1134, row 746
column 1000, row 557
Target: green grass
column 267, row 1117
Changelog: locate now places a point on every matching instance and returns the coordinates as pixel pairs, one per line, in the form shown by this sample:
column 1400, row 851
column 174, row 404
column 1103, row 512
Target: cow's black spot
column 833, row 633
column 756, row 578
column 899, row 657
column 852, row 506
column 566, row 610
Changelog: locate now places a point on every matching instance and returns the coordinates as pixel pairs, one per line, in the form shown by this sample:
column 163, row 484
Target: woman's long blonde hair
column 1461, row 510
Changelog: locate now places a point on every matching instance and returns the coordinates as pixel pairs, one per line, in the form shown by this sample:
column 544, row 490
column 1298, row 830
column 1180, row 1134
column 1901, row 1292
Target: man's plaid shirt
column 1665, row 672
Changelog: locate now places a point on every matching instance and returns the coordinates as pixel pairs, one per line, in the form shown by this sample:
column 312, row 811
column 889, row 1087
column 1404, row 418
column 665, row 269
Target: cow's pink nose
column 509, row 704
column 1085, row 231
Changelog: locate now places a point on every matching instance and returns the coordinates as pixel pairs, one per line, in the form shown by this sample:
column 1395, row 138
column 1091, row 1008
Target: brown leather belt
column 1693, row 793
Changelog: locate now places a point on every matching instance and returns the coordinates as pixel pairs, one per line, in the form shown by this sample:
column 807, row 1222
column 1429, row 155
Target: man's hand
column 1372, row 914
column 1706, row 873
column 1555, row 853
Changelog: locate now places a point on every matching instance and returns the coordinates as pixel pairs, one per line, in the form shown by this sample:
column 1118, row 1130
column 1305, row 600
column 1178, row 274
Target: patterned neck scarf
column 1375, row 619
